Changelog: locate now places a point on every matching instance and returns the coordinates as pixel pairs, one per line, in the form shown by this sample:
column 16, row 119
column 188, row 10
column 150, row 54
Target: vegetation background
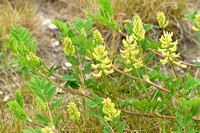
column 36, row 15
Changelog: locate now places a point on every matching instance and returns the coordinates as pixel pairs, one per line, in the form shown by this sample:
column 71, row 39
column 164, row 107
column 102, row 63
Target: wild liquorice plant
column 148, row 91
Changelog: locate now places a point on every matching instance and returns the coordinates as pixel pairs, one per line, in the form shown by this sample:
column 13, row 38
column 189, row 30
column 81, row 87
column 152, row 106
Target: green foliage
column 17, row 107
column 191, row 16
column 65, row 28
column 105, row 15
column 80, row 26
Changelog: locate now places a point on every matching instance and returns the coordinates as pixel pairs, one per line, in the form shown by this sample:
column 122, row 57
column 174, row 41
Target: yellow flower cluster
column 109, row 110
column 47, row 130
column 98, row 37
column 83, row 32
column 197, row 22
column 129, row 55
column 32, row 57
column 168, row 49
column 161, row 20
column 138, row 29
column 101, row 55
column 41, row 105
column 69, row 47
column 73, row 112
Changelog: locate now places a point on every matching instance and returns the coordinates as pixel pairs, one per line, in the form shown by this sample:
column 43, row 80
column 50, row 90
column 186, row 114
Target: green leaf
column 183, row 104
column 147, row 27
column 39, row 94
column 47, row 87
column 151, row 55
column 68, row 78
column 107, row 129
column 57, row 119
column 191, row 129
column 198, row 64
column 19, row 99
column 121, row 126
column 191, row 16
column 87, row 69
column 43, row 82
column 42, row 119
column 100, row 110
column 74, row 85
column 97, row 99
column 51, row 70
column 90, row 103
column 177, row 82
column 194, row 101
column 19, row 67
column 129, row 28
column 25, row 72
column 179, row 118
column 51, row 93
column 188, row 120
column 57, row 103
column 144, row 44
column 97, row 116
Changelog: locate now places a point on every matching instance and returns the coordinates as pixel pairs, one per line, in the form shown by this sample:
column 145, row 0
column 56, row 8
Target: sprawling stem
column 149, row 82
column 142, row 84
column 129, row 112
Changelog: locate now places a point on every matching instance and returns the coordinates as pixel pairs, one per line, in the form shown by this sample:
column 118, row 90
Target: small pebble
column 6, row 98
column 67, row 64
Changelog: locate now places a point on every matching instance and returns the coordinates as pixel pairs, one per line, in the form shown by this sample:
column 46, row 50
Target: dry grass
column 15, row 12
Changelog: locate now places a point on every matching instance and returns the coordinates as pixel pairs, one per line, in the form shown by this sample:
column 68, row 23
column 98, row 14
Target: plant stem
column 79, row 127
column 106, row 80
column 142, row 56
column 172, row 65
column 142, row 84
column 149, row 82
column 116, row 127
column 75, row 67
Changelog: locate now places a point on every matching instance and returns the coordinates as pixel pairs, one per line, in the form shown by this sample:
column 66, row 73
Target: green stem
column 142, row 56
column 142, row 84
column 79, row 127
column 75, row 67
column 173, row 69
column 116, row 127
column 106, row 80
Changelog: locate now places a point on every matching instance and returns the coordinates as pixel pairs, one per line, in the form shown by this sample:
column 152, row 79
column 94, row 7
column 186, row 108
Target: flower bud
column 98, row 37
column 47, row 130
column 109, row 110
column 138, row 28
column 73, row 112
column 69, row 47
column 161, row 20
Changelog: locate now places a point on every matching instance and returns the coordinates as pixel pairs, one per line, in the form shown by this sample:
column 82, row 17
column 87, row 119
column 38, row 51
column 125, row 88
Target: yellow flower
column 103, row 63
column 69, row 47
column 109, row 110
column 138, row 29
column 168, row 49
column 98, row 37
column 161, row 20
column 130, row 53
column 73, row 112
column 47, row 130
column 197, row 22
column 32, row 57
